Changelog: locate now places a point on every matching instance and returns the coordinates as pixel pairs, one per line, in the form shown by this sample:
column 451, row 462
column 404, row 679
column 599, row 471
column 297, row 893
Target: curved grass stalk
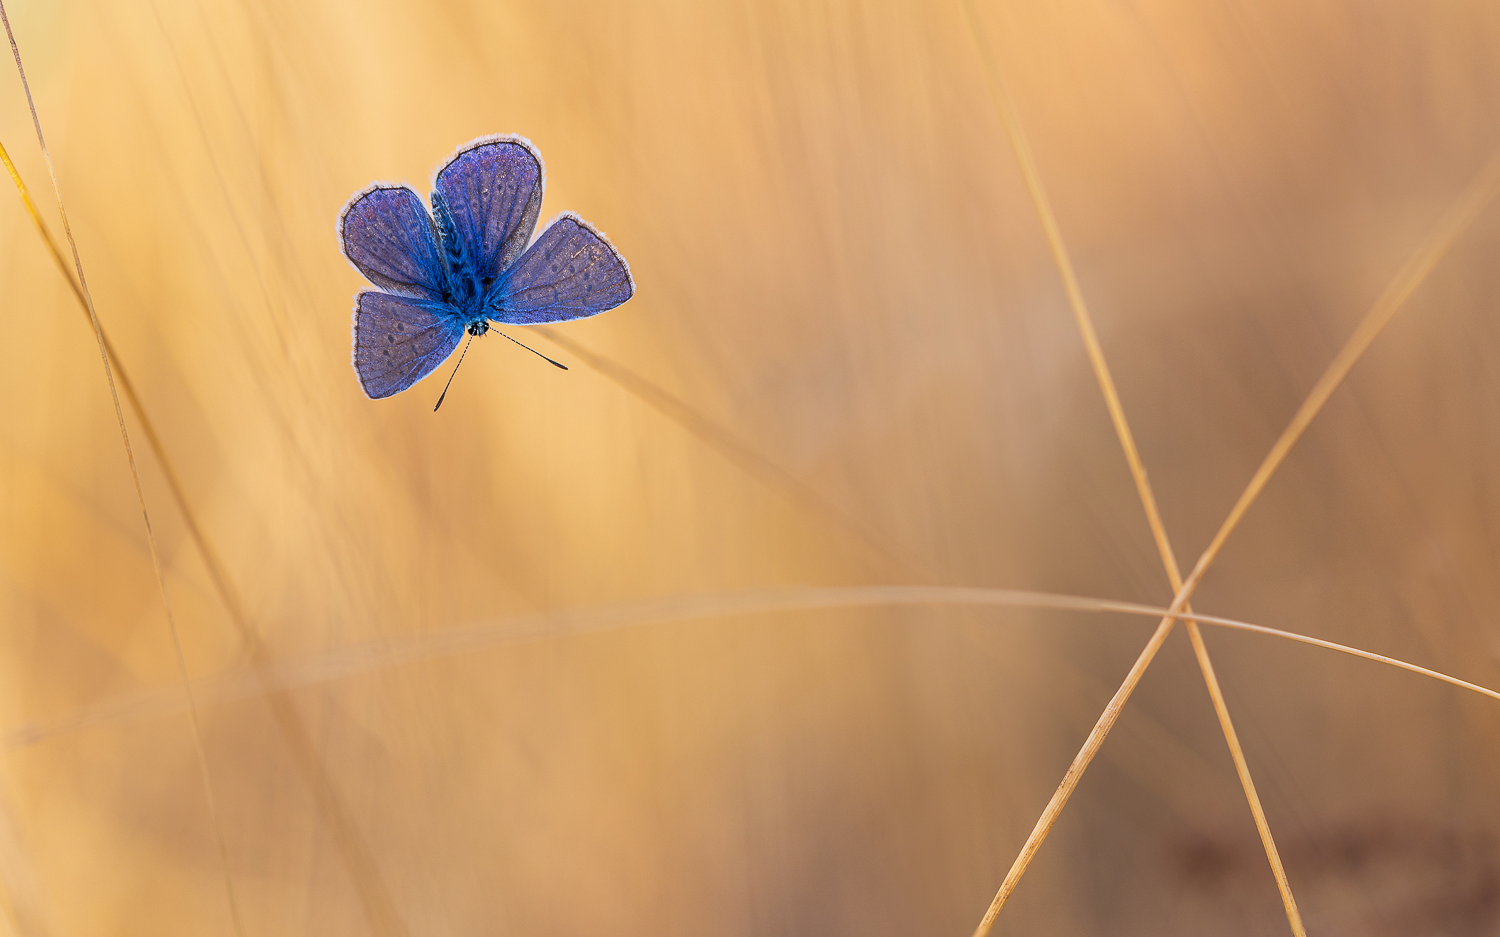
column 372, row 656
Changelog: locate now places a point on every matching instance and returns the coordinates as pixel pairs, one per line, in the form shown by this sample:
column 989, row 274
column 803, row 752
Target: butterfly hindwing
column 386, row 233
column 493, row 187
column 398, row 341
column 569, row 272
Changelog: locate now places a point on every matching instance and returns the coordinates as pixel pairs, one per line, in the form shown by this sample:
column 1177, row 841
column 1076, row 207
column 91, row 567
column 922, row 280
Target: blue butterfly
column 467, row 264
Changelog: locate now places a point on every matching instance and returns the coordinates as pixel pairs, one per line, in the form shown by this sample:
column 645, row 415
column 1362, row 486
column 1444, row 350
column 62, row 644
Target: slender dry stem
column 1459, row 216
column 156, row 565
column 743, row 455
column 1480, row 191
column 370, row 656
column 375, row 897
column 1022, row 150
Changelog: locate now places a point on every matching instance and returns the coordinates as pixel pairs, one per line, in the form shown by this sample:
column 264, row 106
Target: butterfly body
column 465, row 289
column 470, row 262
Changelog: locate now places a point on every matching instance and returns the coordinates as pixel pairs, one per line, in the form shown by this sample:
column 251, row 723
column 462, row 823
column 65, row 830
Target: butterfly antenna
column 532, row 350
column 455, row 371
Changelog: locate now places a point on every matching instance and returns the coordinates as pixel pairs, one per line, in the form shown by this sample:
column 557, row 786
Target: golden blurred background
column 850, row 361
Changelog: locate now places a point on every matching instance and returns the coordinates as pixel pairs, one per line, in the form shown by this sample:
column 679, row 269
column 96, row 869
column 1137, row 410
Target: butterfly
column 468, row 263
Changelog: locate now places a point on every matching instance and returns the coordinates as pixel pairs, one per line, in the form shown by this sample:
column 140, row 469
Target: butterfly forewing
column 397, row 342
column 493, row 187
column 570, row 272
column 387, row 234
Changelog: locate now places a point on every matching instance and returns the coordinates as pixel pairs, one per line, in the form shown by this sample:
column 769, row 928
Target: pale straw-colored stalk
column 161, row 580
column 1459, row 216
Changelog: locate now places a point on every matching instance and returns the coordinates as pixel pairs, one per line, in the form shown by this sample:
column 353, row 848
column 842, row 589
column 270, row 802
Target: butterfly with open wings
column 468, row 263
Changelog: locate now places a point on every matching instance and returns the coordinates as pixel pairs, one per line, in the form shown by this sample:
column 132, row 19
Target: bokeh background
column 850, row 361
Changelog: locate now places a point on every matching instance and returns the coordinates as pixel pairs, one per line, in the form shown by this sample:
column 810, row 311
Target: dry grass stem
column 161, row 580
column 1015, row 133
column 368, row 657
column 742, row 455
column 380, row 908
column 1462, row 213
